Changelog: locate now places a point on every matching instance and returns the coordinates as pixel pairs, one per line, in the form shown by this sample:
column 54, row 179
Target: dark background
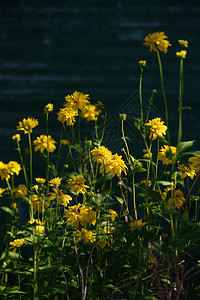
column 49, row 49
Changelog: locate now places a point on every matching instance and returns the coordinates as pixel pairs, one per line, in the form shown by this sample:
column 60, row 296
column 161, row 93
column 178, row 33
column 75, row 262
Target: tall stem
column 31, row 160
column 180, row 109
column 163, row 91
column 140, row 93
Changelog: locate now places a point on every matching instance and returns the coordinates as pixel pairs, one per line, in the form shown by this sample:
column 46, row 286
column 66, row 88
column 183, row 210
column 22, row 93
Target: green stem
column 140, row 93
column 163, row 91
column 180, row 103
column 31, row 159
column 22, row 162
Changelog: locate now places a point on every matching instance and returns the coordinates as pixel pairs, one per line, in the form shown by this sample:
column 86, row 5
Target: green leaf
column 6, row 209
column 119, row 199
column 163, row 182
column 183, row 146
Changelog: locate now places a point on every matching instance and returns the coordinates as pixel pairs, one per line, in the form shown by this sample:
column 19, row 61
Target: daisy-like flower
column 55, row 182
column 77, row 184
column 157, row 128
column 183, row 43
column 137, row 224
column 115, row 166
column 43, row 143
column 60, row 195
column 187, row 171
column 39, row 225
column 106, row 239
column 14, row 167
column 4, row 171
column 27, row 125
column 90, row 112
column 2, row 191
column 21, row 191
column 195, row 162
column 40, row 180
column 77, row 100
column 80, row 215
column 67, row 115
column 181, row 54
column 48, row 108
column 84, row 235
column 113, row 214
column 101, row 155
column 166, row 154
column 16, row 137
column 157, row 41
column 17, row 243
column 177, row 201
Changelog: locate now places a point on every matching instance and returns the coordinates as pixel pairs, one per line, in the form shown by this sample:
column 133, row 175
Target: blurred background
column 49, row 49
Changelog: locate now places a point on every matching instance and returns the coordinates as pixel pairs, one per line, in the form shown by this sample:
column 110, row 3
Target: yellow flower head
column 157, row 41
column 39, row 225
column 84, row 235
column 55, row 182
column 187, row 171
column 16, row 137
column 21, row 190
column 14, row 167
column 48, row 108
column 177, row 201
column 17, row 243
column 27, row 125
column 43, row 143
column 90, row 112
column 142, row 63
column 67, row 115
column 77, row 100
column 58, row 194
column 136, row 225
column 2, row 191
column 65, row 142
column 157, row 128
column 80, row 215
column 40, row 180
column 106, row 239
column 181, row 54
column 115, row 165
column 195, row 162
column 4, row 171
column 113, row 214
column 183, row 43
column 77, row 184
column 166, row 154
column 101, row 154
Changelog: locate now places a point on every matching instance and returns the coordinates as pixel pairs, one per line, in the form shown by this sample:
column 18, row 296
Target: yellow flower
column 43, row 143
column 77, row 100
column 40, row 180
column 38, row 205
column 187, row 171
column 21, row 190
column 115, row 165
column 27, row 125
column 14, row 168
column 181, row 54
column 4, row 171
column 17, row 243
column 142, row 63
column 157, row 128
column 147, row 155
column 55, row 182
column 195, row 162
column 2, row 191
column 84, row 235
column 101, row 154
column 39, row 225
column 177, row 201
column 48, row 108
column 107, row 239
column 67, row 115
column 183, row 43
column 146, row 182
column 65, row 142
column 90, row 112
column 137, row 224
column 60, row 195
column 157, row 41
column 16, row 137
column 80, row 214
column 113, row 214
column 166, row 154
column 123, row 117
column 77, row 184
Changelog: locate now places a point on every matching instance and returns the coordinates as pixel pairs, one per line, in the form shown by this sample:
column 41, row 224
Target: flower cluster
column 43, row 143
column 166, row 154
column 77, row 184
column 156, row 128
column 11, row 168
column 80, row 215
column 173, row 198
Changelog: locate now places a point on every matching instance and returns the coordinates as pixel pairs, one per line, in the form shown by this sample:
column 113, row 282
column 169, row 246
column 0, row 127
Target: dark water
column 49, row 49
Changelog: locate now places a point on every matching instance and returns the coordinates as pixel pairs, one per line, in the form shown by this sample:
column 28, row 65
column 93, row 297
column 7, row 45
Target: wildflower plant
column 92, row 224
